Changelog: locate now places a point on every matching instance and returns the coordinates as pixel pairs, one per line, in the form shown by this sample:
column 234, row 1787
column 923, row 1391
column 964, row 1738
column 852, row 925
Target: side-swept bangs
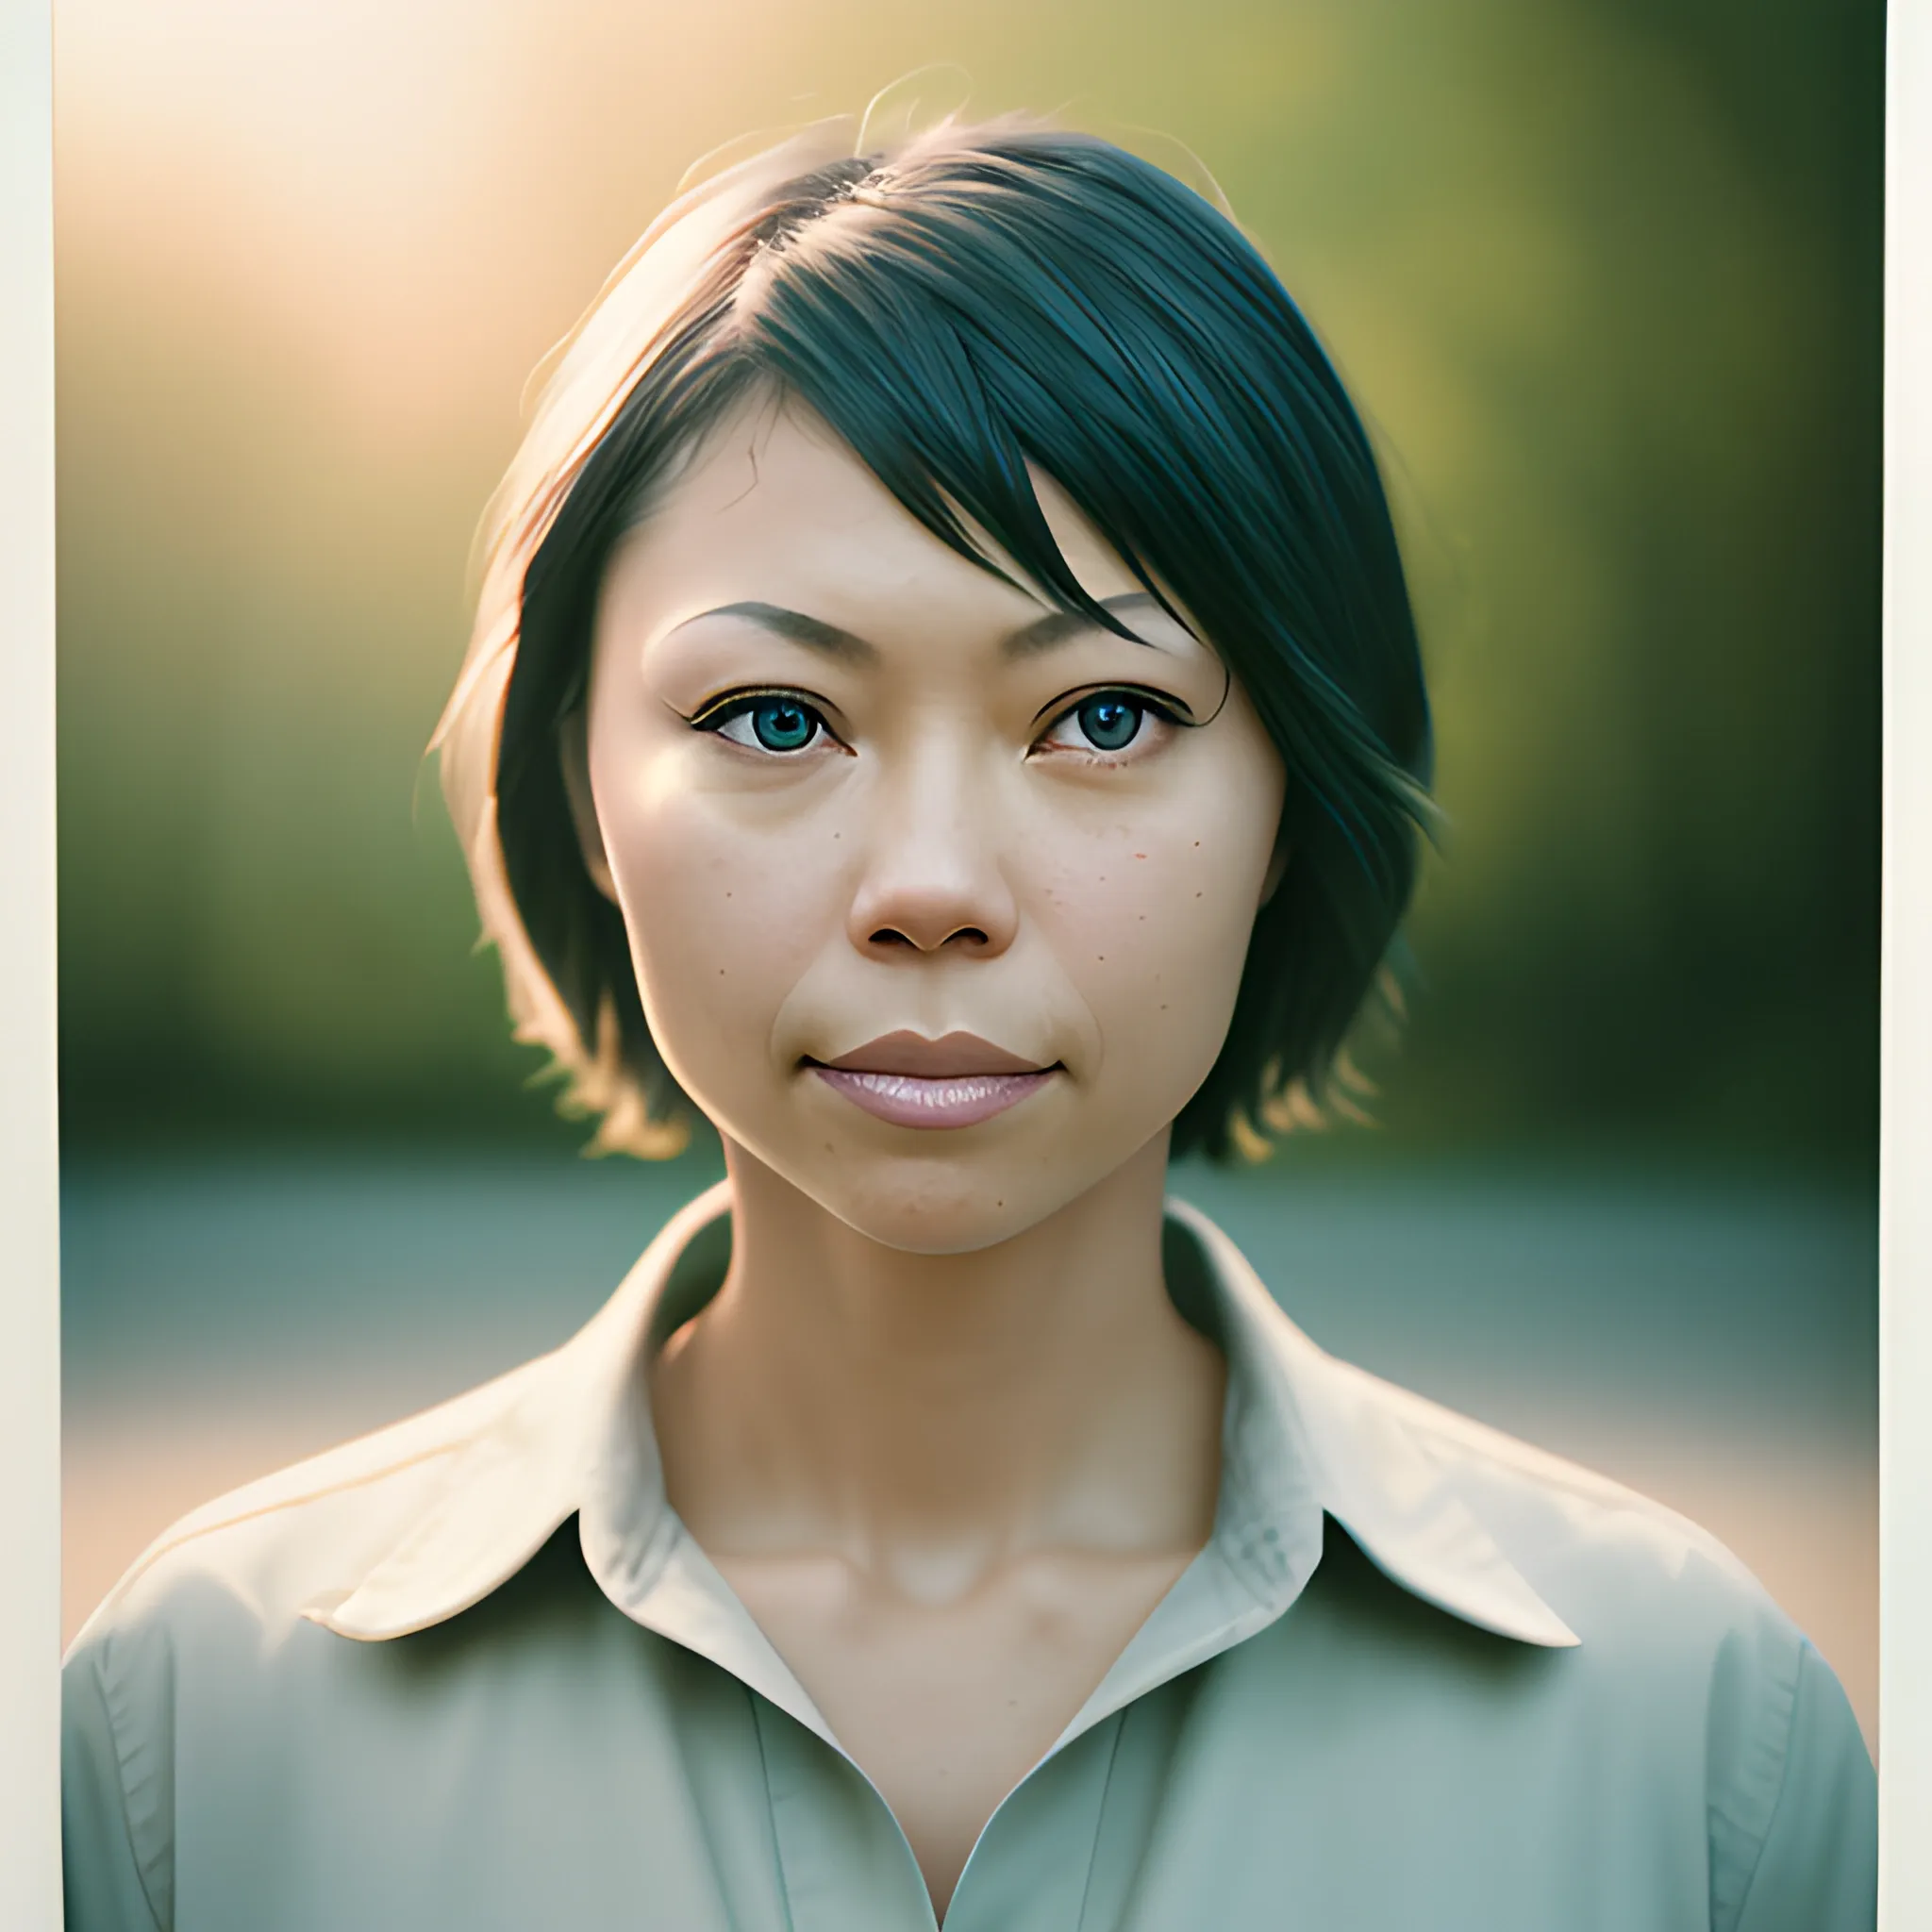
column 977, row 300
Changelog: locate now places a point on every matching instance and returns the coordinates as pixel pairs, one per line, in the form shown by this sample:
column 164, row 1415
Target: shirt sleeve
column 1817, row 1865
column 110, row 1855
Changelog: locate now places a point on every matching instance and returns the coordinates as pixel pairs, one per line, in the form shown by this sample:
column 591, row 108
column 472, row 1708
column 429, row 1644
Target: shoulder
column 301, row 1539
column 205, row 1651
column 1616, row 1565
column 1684, row 1657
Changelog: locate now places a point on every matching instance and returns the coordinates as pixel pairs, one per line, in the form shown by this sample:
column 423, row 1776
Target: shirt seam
column 757, row 1731
column 109, row 1700
column 1805, row 1652
column 1100, row 1818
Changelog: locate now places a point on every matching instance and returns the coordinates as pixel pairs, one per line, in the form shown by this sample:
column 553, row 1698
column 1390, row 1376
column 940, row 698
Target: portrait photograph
column 969, row 963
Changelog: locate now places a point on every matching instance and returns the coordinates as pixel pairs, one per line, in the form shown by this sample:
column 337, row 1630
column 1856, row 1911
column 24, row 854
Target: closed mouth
column 910, row 1081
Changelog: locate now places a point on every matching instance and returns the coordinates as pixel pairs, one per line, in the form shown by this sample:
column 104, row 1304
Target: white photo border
column 30, row 1193
column 29, row 1320
column 1905, row 1427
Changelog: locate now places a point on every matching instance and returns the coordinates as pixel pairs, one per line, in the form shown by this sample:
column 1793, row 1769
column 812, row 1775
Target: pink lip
column 920, row 1100
column 955, row 1081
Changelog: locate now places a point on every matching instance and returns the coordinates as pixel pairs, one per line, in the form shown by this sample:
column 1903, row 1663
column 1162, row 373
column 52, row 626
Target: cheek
column 726, row 903
column 1152, row 925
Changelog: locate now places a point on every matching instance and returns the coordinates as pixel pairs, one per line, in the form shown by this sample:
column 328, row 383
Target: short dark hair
column 982, row 299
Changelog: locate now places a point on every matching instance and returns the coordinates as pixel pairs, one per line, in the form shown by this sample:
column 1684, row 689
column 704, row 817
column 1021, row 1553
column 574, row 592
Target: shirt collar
column 1304, row 1435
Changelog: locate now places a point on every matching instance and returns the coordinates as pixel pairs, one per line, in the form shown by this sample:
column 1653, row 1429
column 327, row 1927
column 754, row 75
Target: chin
column 945, row 1207
column 930, row 1201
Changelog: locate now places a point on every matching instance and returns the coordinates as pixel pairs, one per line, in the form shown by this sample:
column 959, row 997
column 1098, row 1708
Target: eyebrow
column 1044, row 634
column 827, row 639
column 1057, row 626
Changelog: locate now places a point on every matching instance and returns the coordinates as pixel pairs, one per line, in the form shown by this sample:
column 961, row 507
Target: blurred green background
column 1606, row 278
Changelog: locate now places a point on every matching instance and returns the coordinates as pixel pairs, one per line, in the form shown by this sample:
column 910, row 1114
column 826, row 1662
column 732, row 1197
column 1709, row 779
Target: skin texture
column 941, row 1429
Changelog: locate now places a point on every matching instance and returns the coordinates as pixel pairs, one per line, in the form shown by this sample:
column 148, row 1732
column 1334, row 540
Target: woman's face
column 938, row 897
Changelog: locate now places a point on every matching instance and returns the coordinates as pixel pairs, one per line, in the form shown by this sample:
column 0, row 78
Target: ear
column 1277, row 868
column 574, row 756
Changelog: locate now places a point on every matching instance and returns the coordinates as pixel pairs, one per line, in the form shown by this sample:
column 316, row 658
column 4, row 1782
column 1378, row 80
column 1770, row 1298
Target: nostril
column 892, row 935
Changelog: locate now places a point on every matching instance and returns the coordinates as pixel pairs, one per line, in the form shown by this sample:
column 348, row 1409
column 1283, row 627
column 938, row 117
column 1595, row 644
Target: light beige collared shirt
column 472, row 1672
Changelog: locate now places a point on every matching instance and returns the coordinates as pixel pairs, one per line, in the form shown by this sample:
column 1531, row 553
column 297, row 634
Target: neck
column 931, row 1417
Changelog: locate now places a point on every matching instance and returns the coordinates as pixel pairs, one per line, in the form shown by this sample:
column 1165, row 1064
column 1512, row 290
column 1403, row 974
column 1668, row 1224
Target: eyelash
column 1147, row 703
column 730, row 705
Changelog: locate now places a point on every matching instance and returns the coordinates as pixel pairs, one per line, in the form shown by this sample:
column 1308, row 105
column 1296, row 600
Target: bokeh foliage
column 1604, row 276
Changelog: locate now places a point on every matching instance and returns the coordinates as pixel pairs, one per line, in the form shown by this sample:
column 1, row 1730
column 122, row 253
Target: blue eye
column 782, row 724
column 1110, row 721
column 775, row 722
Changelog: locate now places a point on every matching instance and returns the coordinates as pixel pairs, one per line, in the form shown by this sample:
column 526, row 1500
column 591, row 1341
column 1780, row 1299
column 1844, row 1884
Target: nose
column 933, row 883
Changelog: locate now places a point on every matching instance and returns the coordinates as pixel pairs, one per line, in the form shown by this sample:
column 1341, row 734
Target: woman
column 945, row 708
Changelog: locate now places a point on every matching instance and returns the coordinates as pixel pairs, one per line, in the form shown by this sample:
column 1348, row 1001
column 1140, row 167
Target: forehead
column 771, row 504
